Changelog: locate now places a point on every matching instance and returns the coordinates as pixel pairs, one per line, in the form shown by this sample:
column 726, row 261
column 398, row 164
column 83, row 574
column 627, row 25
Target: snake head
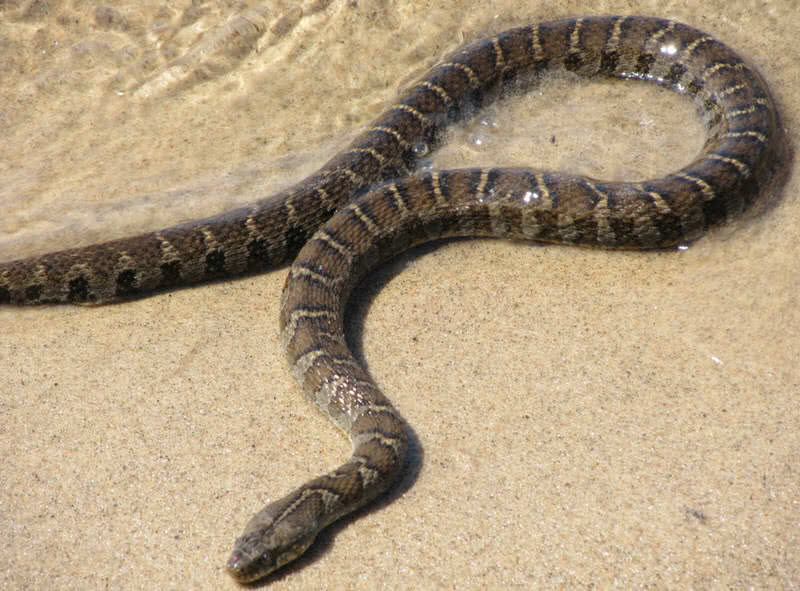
column 268, row 543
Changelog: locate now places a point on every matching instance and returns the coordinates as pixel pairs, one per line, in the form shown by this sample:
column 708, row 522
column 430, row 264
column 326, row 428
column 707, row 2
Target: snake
column 372, row 201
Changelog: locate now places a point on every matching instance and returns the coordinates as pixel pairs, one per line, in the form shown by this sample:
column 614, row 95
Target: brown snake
column 737, row 161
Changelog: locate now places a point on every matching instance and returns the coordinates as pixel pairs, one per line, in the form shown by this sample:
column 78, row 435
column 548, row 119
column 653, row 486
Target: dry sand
column 583, row 419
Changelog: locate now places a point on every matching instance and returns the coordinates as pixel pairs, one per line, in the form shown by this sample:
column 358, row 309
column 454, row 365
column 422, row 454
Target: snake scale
column 378, row 207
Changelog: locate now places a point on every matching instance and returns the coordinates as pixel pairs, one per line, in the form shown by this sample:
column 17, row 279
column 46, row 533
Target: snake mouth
column 238, row 568
column 248, row 569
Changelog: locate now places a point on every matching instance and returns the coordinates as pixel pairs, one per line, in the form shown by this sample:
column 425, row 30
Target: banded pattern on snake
column 737, row 161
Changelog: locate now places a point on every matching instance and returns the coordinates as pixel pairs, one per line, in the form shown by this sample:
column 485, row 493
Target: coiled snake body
column 737, row 161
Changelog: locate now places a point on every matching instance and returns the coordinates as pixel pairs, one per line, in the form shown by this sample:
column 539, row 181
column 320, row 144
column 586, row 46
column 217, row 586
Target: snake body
column 404, row 209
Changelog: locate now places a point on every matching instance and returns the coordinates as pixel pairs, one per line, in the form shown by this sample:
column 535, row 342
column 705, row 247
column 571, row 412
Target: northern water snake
column 383, row 209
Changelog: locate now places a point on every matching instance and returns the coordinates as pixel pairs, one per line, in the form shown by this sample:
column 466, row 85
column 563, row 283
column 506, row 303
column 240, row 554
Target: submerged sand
column 582, row 418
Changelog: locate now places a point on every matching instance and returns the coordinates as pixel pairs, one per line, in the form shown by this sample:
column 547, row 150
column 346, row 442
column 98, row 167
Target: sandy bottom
column 582, row 419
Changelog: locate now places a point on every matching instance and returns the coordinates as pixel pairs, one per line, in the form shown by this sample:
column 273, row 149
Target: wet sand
column 581, row 418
